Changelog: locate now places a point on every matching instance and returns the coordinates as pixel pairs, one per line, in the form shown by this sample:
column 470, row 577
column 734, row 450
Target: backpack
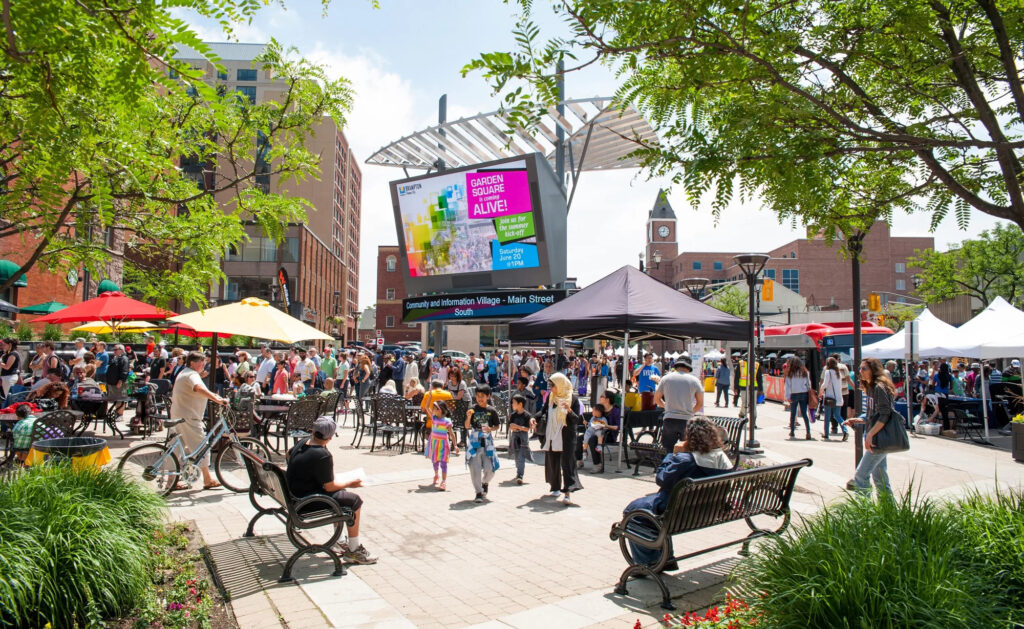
column 65, row 369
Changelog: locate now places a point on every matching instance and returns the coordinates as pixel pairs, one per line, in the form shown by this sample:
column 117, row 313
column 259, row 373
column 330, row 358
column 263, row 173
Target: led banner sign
column 489, row 305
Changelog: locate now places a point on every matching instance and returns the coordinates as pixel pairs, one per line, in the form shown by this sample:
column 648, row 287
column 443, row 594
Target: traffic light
column 881, row 319
column 768, row 289
column 874, row 302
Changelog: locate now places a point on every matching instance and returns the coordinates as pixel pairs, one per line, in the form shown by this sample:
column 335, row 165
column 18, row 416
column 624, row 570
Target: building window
column 290, row 250
column 245, row 74
column 901, row 267
column 248, row 92
column 222, row 76
column 268, row 250
column 769, row 273
column 391, row 263
column 389, row 293
column 696, row 266
column 901, row 284
column 792, row 254
column 791, row 279
column 172, row 73
column 717, row 266
column 389, row 321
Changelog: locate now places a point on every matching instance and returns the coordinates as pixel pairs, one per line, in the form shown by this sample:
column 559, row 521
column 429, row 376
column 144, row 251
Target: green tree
column 781, row 98
column 95, row 129
column 896, row 315
column 986, row 267
column 731, row 299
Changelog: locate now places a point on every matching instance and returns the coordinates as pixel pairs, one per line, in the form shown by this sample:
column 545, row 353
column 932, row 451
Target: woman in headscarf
column 561, row 416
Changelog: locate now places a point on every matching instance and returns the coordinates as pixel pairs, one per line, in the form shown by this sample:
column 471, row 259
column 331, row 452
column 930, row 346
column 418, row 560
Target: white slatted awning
column 599, row 133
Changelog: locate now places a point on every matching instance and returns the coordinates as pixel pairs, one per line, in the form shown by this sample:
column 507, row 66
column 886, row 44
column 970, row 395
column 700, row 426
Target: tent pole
column 213, row 362
column 984, row 401
column 622, row 399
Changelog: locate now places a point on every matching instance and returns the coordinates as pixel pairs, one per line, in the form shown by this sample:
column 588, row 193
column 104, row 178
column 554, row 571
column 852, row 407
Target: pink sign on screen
column 497, row 193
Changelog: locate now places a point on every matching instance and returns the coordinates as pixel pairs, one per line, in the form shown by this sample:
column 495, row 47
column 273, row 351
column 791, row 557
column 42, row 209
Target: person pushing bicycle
column 188, row 402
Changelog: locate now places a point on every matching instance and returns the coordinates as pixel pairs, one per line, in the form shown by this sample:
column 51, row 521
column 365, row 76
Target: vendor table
column 99, row 409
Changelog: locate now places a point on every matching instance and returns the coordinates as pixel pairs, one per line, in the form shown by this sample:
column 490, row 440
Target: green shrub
column 52, row 333
column 24, row 331
column 994, row 525
column 864, row 563
column 5, row 329
column 73, row 546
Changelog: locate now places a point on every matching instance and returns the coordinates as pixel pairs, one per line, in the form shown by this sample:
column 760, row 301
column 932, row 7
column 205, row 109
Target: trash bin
column 81, row 451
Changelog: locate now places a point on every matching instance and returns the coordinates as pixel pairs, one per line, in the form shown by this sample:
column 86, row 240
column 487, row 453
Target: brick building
column 808, row 266
column 390, row 293
column 320, row 257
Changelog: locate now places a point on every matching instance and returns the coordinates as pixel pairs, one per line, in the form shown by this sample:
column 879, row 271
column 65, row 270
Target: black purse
column 892, row 437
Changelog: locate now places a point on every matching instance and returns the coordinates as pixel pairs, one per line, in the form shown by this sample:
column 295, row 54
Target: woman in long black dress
column 560, row 417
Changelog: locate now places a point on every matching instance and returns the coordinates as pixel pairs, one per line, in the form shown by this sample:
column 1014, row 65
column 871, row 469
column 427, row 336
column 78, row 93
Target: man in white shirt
column 79, row 358
column 682, row 395
column 188, row 402
column 412, row 370
column 307, row 370
column 267, row 364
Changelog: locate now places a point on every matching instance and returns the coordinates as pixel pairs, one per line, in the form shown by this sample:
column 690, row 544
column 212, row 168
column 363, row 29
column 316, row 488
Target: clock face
column 663, row 231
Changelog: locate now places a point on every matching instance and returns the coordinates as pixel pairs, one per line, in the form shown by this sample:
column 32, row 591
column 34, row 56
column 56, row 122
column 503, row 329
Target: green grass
column 995, row 527
column 73, row 546
column 905, row 562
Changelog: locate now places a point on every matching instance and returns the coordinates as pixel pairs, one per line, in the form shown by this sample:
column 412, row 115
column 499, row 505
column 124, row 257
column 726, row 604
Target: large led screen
column 481, row 226
column 470, row 221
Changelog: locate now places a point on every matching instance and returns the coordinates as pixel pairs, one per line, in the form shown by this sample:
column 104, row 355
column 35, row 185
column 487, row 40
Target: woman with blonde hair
column 558, row 424
column 880, row 394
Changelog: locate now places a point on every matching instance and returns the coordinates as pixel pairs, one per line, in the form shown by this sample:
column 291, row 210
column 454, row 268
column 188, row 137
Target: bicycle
column 158, row 466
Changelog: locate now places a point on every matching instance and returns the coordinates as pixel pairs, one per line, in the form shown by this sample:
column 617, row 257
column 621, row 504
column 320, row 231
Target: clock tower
column 661, row 240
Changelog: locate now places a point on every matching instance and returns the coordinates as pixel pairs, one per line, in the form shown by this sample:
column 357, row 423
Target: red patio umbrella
column 108, row 307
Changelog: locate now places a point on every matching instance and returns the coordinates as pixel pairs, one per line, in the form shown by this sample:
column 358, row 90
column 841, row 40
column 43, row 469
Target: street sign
column 768, row 289
column 379, row 334
column 380, row 342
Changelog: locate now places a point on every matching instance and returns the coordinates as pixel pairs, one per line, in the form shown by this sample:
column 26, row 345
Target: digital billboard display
column 482, row 226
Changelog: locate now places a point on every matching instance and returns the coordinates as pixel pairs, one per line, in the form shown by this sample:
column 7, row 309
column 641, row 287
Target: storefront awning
column 7, row 269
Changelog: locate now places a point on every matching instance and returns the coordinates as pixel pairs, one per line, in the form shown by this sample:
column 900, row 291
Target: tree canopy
column 797, row 100
column 96, row 132
column 731, row 299
column 986, row 267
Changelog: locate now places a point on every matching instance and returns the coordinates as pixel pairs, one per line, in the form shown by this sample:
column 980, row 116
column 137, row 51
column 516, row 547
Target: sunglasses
column 865, row 368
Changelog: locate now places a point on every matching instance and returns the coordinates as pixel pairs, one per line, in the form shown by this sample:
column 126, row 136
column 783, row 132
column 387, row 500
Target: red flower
column 667, row 618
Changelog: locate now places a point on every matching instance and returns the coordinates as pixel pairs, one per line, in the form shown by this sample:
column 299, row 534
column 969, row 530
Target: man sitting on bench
column 311, row 471
column 701, row 456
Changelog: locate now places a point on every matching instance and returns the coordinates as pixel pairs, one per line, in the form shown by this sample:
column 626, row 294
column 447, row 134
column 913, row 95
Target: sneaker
column 360, row 556
column 479, row 498
column 566, row 500
column 851, row 485
column 555, row 494
column 519, row 481
column 599, row 448
column 485, row 488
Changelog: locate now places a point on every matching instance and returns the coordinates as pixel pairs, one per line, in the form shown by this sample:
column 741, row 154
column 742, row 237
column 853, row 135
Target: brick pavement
column 519, row 560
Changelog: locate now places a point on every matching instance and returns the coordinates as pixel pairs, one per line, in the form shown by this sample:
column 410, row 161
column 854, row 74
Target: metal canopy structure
column 599, row 133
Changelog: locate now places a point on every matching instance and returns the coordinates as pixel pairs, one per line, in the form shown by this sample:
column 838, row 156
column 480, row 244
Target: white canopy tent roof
column 934, row 336
column 995, row 332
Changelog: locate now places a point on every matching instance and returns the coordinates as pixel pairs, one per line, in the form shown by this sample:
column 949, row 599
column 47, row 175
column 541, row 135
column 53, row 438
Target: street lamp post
column 695, row 286
column 751, row 264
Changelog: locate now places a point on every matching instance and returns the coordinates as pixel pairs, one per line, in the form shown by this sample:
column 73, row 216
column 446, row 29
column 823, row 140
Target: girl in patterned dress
column 439, row 446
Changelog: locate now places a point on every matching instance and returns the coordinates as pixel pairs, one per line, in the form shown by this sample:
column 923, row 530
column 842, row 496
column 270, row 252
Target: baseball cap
column 325, row 426
column 683, row 361
column 1015, row 363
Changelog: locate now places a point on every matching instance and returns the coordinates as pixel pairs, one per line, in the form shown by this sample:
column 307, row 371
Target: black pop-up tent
column 627, row 304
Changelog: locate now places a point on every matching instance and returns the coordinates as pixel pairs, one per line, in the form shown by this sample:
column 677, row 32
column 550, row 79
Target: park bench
column 701, row 503
column 297, row 514
column 646, row 446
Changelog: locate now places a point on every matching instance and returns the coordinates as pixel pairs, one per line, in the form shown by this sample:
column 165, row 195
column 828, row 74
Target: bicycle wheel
column 152, row 466
column 230, row 466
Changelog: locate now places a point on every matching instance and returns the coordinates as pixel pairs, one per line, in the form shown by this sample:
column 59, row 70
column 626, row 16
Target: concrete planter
column 1017, row 448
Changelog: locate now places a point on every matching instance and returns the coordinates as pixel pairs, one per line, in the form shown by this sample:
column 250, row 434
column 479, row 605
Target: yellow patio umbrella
column 251, row 317
column 121, row 327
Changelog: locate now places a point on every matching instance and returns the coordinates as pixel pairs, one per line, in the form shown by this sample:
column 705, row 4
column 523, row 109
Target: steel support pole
column 855, row 245
column 752, row 447
column 622, row 398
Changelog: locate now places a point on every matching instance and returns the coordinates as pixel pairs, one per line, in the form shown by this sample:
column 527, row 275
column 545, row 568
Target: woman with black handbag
column 883, row 435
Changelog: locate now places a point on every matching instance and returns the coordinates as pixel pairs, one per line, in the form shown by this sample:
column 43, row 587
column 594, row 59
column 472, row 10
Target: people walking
column 880, row 395
column 560, row 418
column 831, row 396
column 440, row 447
column 723, row 377
column 798, row 385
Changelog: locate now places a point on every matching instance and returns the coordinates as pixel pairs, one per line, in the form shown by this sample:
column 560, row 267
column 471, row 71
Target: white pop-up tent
column 989, row 333
column 933, row 338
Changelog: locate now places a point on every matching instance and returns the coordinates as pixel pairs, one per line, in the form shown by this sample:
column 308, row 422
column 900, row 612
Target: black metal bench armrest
column 652, row 433
column 621, row 528
column 337, row 513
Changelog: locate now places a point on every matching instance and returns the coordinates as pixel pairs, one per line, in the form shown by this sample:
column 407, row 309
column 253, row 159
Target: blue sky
column 403, row 56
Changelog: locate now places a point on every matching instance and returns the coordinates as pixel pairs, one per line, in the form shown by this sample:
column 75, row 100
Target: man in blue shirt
column 492, row 371
column 104, row 359
column 644, row 376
